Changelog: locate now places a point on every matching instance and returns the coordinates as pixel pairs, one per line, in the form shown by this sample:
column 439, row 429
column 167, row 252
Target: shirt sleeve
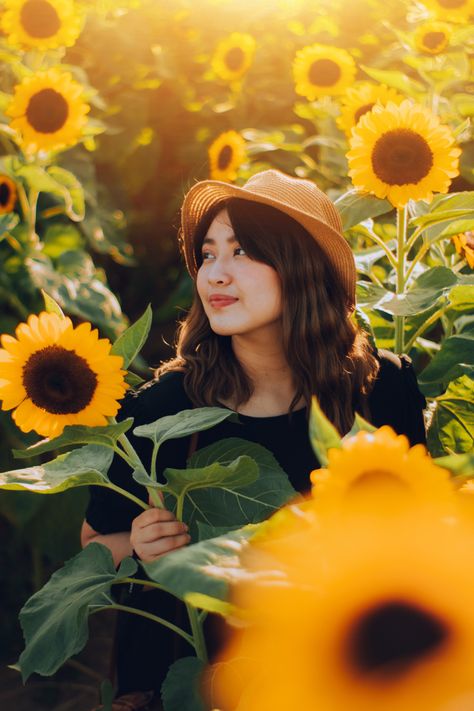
column 396, row 399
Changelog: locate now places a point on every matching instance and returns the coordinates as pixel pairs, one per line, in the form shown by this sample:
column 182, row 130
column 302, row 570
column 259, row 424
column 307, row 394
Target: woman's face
column 253, row 288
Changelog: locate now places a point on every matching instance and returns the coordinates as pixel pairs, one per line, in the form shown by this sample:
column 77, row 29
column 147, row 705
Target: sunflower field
column 110, row 110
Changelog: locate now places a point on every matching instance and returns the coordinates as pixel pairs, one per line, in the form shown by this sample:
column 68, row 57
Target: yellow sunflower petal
column 320, row 70
column 47, row 111
column 401, row 146
column 233, row 56
column 42, row 24
column 226, row 154
column 59, row 385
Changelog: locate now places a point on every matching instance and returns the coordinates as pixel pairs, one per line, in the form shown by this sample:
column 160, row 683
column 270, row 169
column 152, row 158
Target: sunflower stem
column 128, row 495
column 400, row 273
column 136, row 463
column 378, row 240
column 149, row 616
column 198, row 633
column 425, row 325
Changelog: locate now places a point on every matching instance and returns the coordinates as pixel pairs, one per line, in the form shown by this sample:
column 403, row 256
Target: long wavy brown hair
column 329, row 355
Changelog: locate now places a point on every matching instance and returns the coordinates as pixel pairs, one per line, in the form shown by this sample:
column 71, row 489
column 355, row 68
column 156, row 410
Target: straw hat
column 300, row 199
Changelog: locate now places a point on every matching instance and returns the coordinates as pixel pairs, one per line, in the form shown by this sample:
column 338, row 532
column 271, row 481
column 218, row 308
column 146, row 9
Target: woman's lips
column 221, row 301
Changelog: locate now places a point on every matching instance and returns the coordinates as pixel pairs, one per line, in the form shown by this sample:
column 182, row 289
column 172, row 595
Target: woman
column 271, row 324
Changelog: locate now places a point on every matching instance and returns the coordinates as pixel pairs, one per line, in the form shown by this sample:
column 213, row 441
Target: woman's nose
column 219, row 272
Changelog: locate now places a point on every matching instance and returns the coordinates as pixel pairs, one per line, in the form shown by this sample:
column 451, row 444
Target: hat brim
column 207, row 193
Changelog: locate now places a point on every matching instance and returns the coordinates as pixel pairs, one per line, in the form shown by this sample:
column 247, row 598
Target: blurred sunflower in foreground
column 7, row 194
column 402, row 153
column 432, row 37
column 48, row 111
column 362, row 613
column 233, row 56
column 54, row 375
column 320, row 70
column 382, row 459
column 464, row 245
column 358, row 100
column 454, row 10
column 42, row 24
column 226, row 154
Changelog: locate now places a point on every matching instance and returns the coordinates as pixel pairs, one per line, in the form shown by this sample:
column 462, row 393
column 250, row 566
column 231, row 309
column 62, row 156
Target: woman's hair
column 327, row 352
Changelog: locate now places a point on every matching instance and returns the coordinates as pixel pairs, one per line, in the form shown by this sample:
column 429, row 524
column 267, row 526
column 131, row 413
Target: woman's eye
column 239, row 249
column 207, row 255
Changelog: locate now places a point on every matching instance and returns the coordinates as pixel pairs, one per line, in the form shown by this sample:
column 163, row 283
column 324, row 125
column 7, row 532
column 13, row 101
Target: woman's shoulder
column 156, row 398
column 395, row 398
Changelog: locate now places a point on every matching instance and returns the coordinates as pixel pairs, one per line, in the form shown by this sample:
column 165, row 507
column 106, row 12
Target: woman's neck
column 267, row 367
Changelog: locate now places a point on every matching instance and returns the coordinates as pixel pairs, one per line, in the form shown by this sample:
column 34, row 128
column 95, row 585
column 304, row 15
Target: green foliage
column 74, row 435
column 180, row 689
column 54, row 620
column 322, row 433
column 129, row 344
column 80, row 467
column 188, row 569
column 452, row 425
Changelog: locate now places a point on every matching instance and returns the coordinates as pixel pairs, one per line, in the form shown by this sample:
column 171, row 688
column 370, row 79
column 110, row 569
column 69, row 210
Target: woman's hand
column 156, row 532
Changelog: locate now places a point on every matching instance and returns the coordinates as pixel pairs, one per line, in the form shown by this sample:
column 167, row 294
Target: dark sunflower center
column 47, row 111
column 433, row 40
column 39, row 19
column 390, row 637
column 5, row 193
column 234, row 58
column 225, row 156
column 324, row 72
column 401, row 157
column 59, row 381
column 362, row 110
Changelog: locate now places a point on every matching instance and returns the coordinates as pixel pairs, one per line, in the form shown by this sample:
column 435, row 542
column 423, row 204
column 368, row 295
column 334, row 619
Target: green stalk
column 400, row 283
column 136, row 463
column 426, row 324
column 198, row 633
column 149, row 616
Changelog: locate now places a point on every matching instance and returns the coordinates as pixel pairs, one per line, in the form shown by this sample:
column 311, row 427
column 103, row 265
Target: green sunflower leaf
column 81, row 467
column 184, row 423
column 180, row 689
column 396, row 80
column 355, row 207
column 72, row 192
column 78, row 434
column 54, row 620
column 322, row 433
column 130, row 342
column 51, row 306
column 452, row 425
column 238, row 505
column 188, row 570
column 241, row 472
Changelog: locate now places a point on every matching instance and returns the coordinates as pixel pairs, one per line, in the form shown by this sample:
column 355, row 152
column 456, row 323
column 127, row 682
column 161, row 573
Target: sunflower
column 42, row 24
column 233, row 56
column 48, row 111
column 402, row 153
column 432, row 37
column 377, row 618
column 464, row 244
column 320, row 70
column 226, row 154
column 56, row 375
column 384, row 458
column 357, row 101
column 7, row 194
column 456, row 10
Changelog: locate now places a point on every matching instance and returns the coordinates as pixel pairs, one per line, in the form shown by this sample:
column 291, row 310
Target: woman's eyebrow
column 209, row 240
